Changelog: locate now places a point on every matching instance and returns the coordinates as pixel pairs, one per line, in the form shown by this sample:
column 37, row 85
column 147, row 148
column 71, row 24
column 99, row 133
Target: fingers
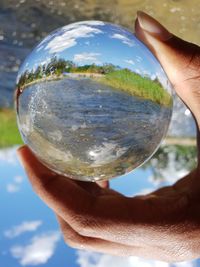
column 180, row 59
column 156, row 250
column 87, row 214
column 76, row 240
column 61, row 194
column 110, row 217
column 103, row 184
column 80, row 204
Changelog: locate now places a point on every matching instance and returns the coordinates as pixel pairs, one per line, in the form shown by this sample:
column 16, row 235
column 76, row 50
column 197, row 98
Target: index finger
column 55, row 190
column 72, row 201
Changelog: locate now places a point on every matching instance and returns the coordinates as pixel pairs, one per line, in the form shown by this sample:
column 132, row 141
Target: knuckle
column 75, row 242
column 72, row 243
column 71, row 240
column 69, row 235
column 85, row 226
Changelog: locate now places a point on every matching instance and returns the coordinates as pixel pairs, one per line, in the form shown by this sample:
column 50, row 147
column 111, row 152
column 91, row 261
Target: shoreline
column 64, row 75
column 115, row 83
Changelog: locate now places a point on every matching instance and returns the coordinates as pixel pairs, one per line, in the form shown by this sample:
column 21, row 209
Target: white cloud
column 91, row 259
column 8, row 156
column 123, row 38
column 17, row 230
column 138, row 58
column 18, row 179
column 40, row 47
column 60, row 43
column 87, row 57
column 129, row 61
column 161, row 76
column 12, row 188
column 43, row 62
column 146, row 73
column 153, row 77
column 40, row 249
column 138, row 71
column 69, row 36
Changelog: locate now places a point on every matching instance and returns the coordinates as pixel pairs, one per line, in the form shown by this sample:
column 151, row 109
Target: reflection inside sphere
column 92, row 101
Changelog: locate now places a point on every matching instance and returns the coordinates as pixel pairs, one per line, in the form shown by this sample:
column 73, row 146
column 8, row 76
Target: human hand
column 163, row 225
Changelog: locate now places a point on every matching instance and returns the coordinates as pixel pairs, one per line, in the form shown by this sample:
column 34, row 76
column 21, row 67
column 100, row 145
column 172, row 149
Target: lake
column 88, row 129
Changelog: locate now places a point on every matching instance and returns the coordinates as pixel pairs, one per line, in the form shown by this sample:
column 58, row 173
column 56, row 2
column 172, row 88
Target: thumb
column 179, row 59
column 103, row 184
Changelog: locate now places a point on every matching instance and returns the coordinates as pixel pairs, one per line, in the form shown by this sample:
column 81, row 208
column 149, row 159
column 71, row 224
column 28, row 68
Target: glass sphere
column 92, row 101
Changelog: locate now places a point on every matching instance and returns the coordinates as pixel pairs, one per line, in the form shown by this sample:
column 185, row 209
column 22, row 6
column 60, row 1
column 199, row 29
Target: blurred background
column 29, row 234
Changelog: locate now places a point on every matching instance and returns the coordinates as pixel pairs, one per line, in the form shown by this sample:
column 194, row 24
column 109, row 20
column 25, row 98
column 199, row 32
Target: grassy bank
column 112, row 75
column 136, row 85
column 9, row 134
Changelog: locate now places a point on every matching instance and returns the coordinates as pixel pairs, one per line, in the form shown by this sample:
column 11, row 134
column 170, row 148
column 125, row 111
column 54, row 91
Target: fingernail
column 103, row 184
column 153, row 27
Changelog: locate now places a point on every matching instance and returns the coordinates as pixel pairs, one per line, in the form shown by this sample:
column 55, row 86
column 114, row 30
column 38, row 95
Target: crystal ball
column 92, row 101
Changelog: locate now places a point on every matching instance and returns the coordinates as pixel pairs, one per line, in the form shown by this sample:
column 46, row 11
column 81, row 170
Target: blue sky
column 29, row 233
column 21, row 208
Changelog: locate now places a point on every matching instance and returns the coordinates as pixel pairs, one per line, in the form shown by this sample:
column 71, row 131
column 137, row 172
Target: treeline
column 180, row 157
column 58, row 66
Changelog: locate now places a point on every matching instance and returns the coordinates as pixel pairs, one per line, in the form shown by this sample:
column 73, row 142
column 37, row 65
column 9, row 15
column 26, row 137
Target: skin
column 163, row 225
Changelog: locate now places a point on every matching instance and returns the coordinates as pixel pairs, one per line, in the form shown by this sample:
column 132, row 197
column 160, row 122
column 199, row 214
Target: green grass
column 9, row 134
column 136, row 85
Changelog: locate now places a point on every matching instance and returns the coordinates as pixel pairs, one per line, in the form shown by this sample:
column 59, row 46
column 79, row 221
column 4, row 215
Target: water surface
column 89, row 128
